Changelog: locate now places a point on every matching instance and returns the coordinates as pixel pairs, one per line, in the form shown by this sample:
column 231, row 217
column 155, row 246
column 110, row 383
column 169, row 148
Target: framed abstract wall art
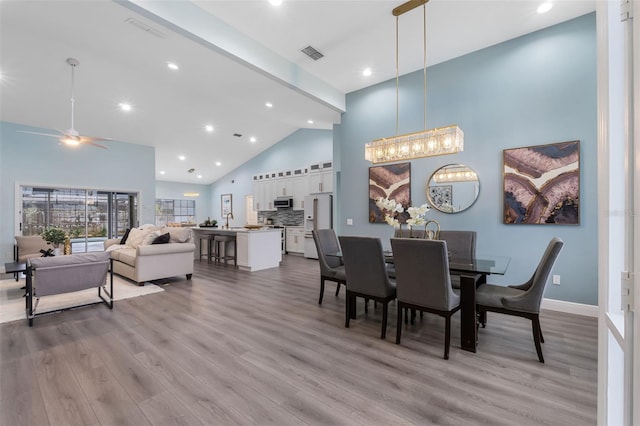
column 542, row 184
column 391, row 181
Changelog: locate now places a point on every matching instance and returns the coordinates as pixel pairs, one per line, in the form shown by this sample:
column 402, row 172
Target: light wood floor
column 233, row 347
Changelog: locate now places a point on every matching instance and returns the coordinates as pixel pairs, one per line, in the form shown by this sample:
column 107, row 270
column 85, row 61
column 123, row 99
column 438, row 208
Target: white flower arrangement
column 392, row 209
column 417, row 215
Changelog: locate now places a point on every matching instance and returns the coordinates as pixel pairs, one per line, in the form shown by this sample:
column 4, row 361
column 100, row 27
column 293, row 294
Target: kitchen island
column 257, row 248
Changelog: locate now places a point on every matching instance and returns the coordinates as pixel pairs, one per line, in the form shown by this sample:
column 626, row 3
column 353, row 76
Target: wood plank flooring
column 232, row 347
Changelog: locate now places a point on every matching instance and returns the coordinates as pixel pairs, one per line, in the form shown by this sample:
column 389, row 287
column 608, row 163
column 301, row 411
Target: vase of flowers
column 393, row 210
column 54, row 236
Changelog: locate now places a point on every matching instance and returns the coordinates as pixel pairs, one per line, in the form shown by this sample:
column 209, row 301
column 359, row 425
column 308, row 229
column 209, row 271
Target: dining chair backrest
column 534, row 288
column 461, row 244
column 364, row 264
column 422, row 273
column 409, row 233
column 326, row 243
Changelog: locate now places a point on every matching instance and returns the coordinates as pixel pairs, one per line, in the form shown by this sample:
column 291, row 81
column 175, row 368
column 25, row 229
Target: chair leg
column 399, row 324
column 347, row 309
column 366, row 305
column 385, row 307
column 337, row 289
column 406, row 315
column 413, row 316
column 535, row 322
column 447, row 336
column 421, row 314
column 541, row 336
column 321, row 291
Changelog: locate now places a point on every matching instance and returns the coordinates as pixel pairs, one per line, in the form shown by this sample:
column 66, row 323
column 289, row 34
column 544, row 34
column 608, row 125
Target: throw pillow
column 178, row 235
column 150, row 237
column 125, row 236
column 136, row 237
column 162, row 239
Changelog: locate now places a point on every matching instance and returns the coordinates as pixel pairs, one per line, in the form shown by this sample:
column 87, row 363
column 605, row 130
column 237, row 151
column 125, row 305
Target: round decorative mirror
column 453, row 188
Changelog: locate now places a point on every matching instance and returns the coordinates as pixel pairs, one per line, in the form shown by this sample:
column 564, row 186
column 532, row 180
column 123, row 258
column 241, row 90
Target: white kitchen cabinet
column 264, row 191
column 295, row 239
column 293, row 183
column 321, row 177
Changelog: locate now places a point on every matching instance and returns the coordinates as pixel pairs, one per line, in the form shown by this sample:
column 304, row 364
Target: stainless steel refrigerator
column 318, row 214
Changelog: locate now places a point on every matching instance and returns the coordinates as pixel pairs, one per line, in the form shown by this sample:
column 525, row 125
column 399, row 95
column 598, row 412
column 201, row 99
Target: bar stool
column 208, row 239
column 220, row 242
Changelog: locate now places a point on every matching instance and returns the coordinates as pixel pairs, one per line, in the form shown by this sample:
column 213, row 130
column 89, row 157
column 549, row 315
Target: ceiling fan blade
column 41, row 134
column 97, row 145
column 93, row 139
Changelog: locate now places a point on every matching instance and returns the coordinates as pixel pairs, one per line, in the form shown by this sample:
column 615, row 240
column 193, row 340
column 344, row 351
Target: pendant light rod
column 405, row 7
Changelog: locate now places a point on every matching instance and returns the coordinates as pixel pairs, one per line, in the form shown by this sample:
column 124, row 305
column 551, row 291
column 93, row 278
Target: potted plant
column 55, row 236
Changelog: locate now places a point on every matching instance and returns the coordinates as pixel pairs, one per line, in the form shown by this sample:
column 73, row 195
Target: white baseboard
column 570, row 307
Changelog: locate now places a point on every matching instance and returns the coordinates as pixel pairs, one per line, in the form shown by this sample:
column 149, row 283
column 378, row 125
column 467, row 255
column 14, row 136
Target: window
column 87, row 216
column 175, row 212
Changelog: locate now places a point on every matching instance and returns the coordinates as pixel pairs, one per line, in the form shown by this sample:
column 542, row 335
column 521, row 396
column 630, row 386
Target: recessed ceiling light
column 125, row 106
column 310, row 121
column 182, row 157
column 545, row 7
column 191, row 194
column 269, row 105
column 199, row 176
column 162, row 172
column 252, row 139
column 208, row 128
column 366, row 72
column 218, row 163
column 275, row 2
column 173, row 66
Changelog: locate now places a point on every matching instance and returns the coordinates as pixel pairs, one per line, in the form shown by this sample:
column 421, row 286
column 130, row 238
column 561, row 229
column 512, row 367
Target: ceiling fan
column 71, row 136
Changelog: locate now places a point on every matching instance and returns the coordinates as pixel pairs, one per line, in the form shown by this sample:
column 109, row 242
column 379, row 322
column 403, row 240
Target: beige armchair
column 29, row 247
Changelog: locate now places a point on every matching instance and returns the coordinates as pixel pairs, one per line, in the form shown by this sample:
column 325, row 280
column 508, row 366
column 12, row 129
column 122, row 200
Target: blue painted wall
column 38, row 160
column 300, row 149
column 536, row 89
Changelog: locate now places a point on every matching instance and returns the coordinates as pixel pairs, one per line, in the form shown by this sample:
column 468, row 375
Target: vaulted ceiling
column 233, row 57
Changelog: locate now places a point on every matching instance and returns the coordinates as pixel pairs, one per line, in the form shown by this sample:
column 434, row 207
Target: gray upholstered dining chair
column 367, row 277
column 331, row 267
column 461, row 245
column 423, row 281
column 521, row 300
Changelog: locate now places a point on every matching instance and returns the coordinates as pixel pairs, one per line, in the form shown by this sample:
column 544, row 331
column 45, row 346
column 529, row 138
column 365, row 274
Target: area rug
column 12, row 301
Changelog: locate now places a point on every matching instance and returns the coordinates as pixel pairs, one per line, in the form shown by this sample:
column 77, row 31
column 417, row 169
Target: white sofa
column 140, row 260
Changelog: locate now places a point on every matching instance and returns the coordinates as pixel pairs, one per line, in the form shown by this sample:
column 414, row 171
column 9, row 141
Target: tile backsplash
column 288, row 217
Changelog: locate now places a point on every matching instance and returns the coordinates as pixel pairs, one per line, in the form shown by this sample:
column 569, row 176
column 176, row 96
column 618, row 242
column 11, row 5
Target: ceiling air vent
column 144, row 27
column 312, row 52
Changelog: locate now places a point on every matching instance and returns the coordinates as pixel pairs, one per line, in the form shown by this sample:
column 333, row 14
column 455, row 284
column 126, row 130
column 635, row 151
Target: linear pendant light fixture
column 426, row 143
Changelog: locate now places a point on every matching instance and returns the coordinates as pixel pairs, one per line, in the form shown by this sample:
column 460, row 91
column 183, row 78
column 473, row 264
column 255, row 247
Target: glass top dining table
column 473, row 272
column 482, row 264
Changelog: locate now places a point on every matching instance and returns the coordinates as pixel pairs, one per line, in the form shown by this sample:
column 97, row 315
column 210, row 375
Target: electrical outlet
column 556, row 279
column 349, row 221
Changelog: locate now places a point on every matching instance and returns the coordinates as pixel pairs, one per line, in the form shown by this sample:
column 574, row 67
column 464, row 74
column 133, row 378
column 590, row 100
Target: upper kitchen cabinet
column 294, row 183
column 321, row 177
column 265, row 191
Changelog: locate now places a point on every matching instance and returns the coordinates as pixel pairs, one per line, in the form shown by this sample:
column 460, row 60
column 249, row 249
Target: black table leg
column 468, row 320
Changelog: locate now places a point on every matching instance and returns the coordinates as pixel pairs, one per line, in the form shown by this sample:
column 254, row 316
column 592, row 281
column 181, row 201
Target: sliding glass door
column 87, row 216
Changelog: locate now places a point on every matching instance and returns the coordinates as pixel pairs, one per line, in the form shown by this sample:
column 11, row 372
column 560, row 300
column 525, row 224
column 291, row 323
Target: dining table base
column 468, row 316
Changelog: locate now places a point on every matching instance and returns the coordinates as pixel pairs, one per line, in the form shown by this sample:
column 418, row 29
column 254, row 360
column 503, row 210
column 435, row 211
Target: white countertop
column 235, row 230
